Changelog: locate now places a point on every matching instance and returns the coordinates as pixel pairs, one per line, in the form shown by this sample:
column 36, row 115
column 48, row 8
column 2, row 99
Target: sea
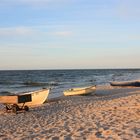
column 18, row 81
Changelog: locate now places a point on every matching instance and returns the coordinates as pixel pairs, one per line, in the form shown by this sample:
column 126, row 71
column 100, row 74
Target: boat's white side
column 37, row 98
column 80, row 91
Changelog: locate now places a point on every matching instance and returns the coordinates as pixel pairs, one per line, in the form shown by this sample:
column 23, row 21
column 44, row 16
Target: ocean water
column 17, row 81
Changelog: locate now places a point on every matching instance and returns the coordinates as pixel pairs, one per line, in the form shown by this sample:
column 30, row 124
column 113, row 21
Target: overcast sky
column 69, row 34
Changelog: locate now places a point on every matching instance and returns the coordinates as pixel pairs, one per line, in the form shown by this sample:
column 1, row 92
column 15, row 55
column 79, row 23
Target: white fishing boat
column 80, row 91
column 23, row 100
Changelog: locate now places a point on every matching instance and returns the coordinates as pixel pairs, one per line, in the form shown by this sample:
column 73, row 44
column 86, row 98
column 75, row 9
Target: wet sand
column 106, row 117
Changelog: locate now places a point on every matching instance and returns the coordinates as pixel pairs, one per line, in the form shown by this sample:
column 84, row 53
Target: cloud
column 134, row 37
column 62, row 33
column 129, row 8
column 17, row 2
column 32, row 30
column 17, row 31
column 33, row 3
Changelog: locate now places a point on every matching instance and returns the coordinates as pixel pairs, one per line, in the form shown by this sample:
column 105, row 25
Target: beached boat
column 80, row 91
column 126, row 83
column 23, row 100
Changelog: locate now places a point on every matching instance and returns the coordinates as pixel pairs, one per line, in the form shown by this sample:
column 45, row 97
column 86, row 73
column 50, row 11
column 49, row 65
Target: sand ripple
column 110, row 117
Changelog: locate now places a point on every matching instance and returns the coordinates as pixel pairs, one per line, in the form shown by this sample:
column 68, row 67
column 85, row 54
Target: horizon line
column 70, row 69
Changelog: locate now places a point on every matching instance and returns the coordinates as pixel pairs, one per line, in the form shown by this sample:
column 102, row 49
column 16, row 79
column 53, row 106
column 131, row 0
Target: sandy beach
column 108, row 117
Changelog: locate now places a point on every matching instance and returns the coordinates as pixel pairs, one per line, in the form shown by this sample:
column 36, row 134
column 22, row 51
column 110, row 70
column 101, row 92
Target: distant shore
column 102, row 116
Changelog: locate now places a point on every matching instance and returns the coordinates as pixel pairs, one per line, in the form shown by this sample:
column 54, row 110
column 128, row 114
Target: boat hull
column 80, row 91
column 126, row 83
column 30, row 98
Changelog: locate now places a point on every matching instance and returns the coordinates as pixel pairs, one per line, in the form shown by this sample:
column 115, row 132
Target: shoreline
column 111, row 116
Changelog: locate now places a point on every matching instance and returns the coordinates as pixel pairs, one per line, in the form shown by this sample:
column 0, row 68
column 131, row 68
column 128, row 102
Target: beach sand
column 106, row 117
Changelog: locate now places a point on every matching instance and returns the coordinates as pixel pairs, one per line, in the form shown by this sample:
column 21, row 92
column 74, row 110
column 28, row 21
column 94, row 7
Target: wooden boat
column 80, row 91
column 126, row 83
column 17, row 102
